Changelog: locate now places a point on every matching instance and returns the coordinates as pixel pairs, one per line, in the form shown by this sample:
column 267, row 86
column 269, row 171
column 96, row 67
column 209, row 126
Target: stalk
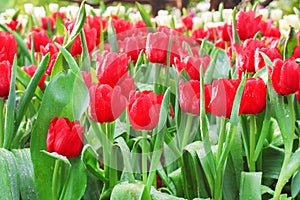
column 187, row 131
column 56, row 175
column 144, row 156
column 252, row 136
column 1, row 122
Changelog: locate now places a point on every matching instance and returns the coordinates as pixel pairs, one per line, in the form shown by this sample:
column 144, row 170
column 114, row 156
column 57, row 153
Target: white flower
column 216, row 16
column 203, row 6
column 264, row 12
column 39, row 12
column 114, row 10
column 197, row 22
column 71, row 11
column 227, row 15
column 276, row 14
column 28, row 7
column 163, row 13
column 292, row 20
column 213, row 24
column 10, row 12
column 88, row 9
column 63, row 9
column 53, row 7
column 163, row 20
column 207, row 16
column 97, row 11
column 135, row 17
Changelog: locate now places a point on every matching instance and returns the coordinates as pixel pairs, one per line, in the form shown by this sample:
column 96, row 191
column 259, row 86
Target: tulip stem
column 252, row 136
column 222, row 137
column 56, row 175
column 157, row 78
column 144, row 156
column 1, row 122
column 187, row 131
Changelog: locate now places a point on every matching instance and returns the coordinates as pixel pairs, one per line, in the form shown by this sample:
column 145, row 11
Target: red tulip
column 188, row 22
column 133, row 46
column 53, row 50
column 157, row 47
column 8, row 47
column 189, row 96
column 90, row 36
column 222, row 32
column 121, row 25
column 14, row 25
column 272, row 53
column 30, row 70
column 199, row 34
column 222, row 97
column 111, row 67
column 269, row 31
column 98, row 23
column 47, row 23
column 245, row 55
column 106, row 103
column 247, row 25
column 5, row 76
column 192, row 65
column 143, row 110
column 254, row 96
column 40, row 39
column 65, row 137
column 296, row 53
column 285, row 76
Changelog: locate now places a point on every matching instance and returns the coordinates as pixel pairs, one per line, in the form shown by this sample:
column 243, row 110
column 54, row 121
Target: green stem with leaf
column 144, row 156
column 187, row 131
column 252, row 145
column 55, row 179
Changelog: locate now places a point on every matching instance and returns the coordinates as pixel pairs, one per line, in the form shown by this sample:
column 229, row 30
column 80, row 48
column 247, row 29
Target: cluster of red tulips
column 166, row 87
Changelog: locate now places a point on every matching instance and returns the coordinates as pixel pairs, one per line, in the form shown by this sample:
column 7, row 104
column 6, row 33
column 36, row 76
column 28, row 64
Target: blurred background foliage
column 286, row 5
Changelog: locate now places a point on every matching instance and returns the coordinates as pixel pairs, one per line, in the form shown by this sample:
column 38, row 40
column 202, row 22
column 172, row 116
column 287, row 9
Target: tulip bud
column 264, row 12
column 276, row 14
column 29, row 8
column 64, row 137
column 53, row 7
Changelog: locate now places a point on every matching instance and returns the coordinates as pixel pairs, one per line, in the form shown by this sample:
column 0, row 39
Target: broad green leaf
column 90, row 159
column 9, row 132
column 65, row 96
column 290, row 43
column 295, row 185
column 30, row 90
column 9, row 179
column 272, row 162
column 70, row 60
column 57, row 156
column 156, row 195
column 176, row 177
column 293, row 165
column 25, row 172
column 59, row 24
column 250, row 185
column 193, row 173
column 146, row 17
column 130, row 191
column 76, row 182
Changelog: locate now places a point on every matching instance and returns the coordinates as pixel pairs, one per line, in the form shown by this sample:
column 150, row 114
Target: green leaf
column 159, row 141
column 10, row 112
column 112, row 37
column 80, row 18
column 176, row 177
column 146, row 17
column 193, row 172
column 85, row 57
column 25, row 172
column 130, row 191
column 30, row 90
column 70, row 60
column 9, row 179
column 90, row 159
column 57, row 156
column 236, row 38
column 65, row 96
column 19, row 40
column 76, row 181
column 293, row 166
column 58, row 66
column 59, row 24
column 250, row 185
column 266, row 58
column 295, row 185
column 156, row 195
column 272, row 162
column 290, row 43
column 24, row 79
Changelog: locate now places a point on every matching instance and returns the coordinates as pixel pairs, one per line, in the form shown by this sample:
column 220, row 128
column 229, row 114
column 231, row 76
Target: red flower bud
column 5, row 76
column 30, row 70
column 222, row 96
column 285, row 76
column 247, row 25
column 40, row 39
column 189, row 96
column 143, row 110
column 254, row 96
column 106, row 103
column 8, row 47
column 64, row 137
column 188, row 22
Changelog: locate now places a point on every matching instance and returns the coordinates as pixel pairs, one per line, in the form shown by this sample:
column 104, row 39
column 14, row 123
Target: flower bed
column 111, row 103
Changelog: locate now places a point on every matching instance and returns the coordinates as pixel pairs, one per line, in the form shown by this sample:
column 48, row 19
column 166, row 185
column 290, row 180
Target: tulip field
column 113, row 103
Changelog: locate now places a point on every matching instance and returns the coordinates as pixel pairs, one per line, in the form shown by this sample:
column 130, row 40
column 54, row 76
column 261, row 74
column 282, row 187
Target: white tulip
column 292, row 20
column 163, row 13
column 39, row 12
column 216, row 16
column 207, row 16
column 264, row 12
column 197, row 22
column 227, row 15
column 28, row 7
column 163, row 20
column 276, row 14
column 10, row 12
column 53, row 7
